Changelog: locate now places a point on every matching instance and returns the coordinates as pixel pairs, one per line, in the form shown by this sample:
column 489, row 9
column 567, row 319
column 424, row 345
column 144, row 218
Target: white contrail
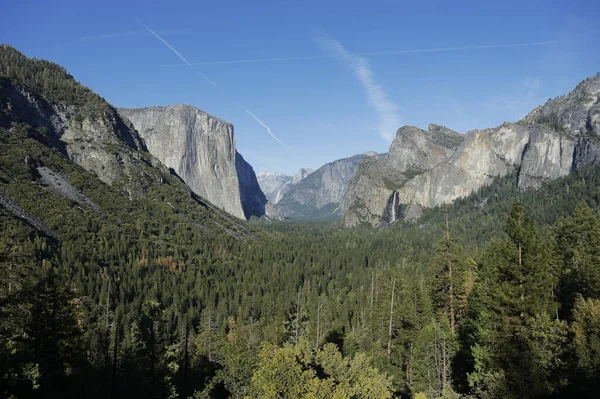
column 375, row 53
column 263, row 125
column 175, row 51
column 204, row 76
column 388, row 120
column 116, row 35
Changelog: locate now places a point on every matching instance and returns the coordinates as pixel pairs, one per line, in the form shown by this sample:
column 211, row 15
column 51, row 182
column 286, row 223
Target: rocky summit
column 274, row 185
column 431, row 168
column 200, row 148
column 320, row 195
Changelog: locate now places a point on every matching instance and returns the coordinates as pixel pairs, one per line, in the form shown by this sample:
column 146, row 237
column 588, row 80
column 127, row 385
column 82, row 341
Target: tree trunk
column 114, row 362
column 297, row 326
column 318, row 326
column 389, row 346
column 451, row 282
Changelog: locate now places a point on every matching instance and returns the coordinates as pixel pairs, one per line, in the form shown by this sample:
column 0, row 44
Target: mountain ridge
column 41, row 104
column 321, row 194
column 553, row 139
column 274, row 185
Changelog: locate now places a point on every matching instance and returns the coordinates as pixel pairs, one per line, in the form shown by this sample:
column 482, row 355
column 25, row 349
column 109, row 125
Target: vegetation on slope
column 154, row 299
column 162, row 296
column 51, row 80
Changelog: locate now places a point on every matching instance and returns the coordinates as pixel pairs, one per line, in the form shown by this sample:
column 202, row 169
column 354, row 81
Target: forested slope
column 104, row 294
column 139, row 301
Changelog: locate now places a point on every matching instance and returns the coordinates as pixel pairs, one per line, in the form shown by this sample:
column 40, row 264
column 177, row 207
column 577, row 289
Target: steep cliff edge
column 552, row 140
column 253, row 199
column 200, row 148
column 68, row 161
column 412, row 153
column 320, row 195
column 72, row 119
column 274, row 185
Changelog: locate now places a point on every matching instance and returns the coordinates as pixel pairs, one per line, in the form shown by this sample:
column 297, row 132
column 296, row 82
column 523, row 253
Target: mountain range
column 425, row 169
column 132, row 149
column 274, row 185
column 320, row 195
column 69, row 158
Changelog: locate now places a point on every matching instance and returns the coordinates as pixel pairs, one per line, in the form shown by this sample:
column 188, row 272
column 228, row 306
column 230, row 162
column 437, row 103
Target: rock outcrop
column 60, row 185
column 320, row 194
column 13, row 208
column 551, row 141
column 97, row 157
column 92, row 134
column 274, row 185
column 412, row 153
column 200, row 148
column 253, row 199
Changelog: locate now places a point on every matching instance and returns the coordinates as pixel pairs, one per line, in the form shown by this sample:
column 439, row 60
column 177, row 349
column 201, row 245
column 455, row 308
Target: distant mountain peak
column 275, row 185
column 302, row 174
column 319, row 195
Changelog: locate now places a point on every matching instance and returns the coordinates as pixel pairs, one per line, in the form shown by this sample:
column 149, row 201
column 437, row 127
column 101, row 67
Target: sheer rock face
column 428, row 169
column 320, row 195
column 274, row 185
column 301, row 175
column 201, row 150
column 253, row 199
column 412, row 153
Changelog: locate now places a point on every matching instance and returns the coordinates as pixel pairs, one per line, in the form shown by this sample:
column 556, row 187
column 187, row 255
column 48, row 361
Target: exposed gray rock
column 16, row 210
column 201, row 149
column 551, row 141
column 320, row 194
column 253, row 199
column 301, row 175
column 61, row 186
column 576, row 113
column 274, row 185
column 104, row 143
column 412, row 153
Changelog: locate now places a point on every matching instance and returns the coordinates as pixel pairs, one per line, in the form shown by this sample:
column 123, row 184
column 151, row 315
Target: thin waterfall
column 394, row 210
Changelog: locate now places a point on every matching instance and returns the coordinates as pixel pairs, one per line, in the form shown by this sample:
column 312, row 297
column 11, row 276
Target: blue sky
column 328, row 78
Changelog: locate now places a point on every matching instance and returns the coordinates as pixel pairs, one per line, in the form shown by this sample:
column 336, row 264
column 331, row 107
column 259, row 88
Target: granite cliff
column 428, row 169
column 200, row 148
column 274, row 185
column 320, row 194
column 67, row 149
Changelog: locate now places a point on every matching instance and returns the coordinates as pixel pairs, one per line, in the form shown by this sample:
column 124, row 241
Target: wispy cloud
column 264, row 125
column 173, row 50
column 376, row 53
column 460, row 48
column 388, row 120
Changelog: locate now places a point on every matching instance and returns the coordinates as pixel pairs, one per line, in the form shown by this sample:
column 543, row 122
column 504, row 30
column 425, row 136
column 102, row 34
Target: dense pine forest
column 162, row 296
column 494, row 296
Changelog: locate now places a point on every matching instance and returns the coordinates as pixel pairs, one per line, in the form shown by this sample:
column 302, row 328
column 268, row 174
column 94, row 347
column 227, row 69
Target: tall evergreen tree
column 578, row 244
